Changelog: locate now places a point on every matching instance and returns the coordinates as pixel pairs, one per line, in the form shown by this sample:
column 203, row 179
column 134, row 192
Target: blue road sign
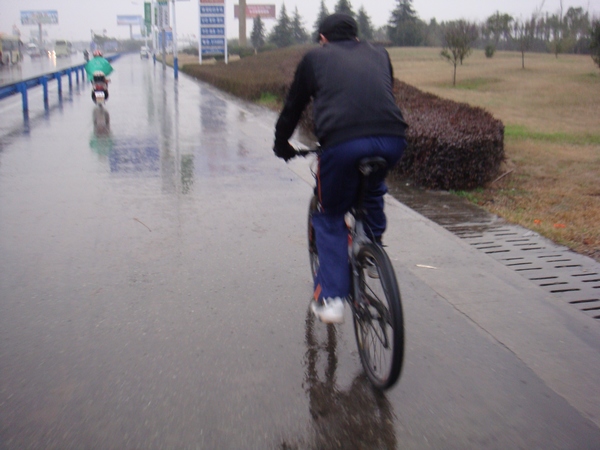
column 213, row 51
column 212, row 31
column 212, row 10
column 218, row 20
column 213, row 42
column 212, row 28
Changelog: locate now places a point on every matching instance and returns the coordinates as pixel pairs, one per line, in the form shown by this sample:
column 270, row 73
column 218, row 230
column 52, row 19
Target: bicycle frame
column 377, row 317
column 357, row 238
column 357, row 232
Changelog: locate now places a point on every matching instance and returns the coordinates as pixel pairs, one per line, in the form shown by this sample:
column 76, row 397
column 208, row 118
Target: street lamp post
column 153, row 29
column 242, row 22
column 175, row 58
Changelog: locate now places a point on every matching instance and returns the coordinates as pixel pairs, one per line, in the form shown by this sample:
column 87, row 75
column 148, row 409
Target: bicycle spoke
column 375, row 322
column 378, row 318
column 377, row 357
column 374, row 301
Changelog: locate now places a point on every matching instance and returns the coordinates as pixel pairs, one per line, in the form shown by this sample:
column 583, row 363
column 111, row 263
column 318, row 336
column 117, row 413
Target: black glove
column 284, row 150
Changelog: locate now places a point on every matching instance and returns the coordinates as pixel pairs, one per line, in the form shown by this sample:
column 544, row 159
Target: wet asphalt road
column 154, row 286
column 32, row 67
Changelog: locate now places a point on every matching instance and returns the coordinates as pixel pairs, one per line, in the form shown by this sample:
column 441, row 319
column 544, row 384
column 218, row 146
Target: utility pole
column 153, row 28
column 242, row 18
column 175, row 57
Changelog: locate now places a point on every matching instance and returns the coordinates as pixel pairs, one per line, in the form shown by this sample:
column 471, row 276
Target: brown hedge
column 451, row 145
column 269, row 72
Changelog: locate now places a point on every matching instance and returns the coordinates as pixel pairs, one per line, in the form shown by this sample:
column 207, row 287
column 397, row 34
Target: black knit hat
column 339, row 27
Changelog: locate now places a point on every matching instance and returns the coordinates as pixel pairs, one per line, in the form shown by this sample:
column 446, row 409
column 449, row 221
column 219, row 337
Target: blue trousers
column 337, row 189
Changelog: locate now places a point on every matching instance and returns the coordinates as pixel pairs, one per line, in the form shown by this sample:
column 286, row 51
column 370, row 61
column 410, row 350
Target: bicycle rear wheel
column 378, row 321
column 313, row 254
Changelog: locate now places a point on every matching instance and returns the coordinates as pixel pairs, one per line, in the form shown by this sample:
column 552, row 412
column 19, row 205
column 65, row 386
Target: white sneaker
column 331, row 310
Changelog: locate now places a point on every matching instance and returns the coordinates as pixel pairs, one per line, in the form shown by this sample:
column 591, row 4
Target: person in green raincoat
column 98, row 64
column 98, row 68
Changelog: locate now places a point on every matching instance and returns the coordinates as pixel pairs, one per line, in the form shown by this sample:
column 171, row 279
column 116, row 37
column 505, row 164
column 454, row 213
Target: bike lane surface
column 154, row 289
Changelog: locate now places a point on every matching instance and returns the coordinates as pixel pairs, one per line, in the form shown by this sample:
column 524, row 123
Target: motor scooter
column 99, row 88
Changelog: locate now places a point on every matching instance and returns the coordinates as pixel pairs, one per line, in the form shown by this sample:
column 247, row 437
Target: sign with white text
column 148, row 16
column 212, row 10
column 163, row 18
column 253, row 11
column 39, row 17
column 212, row 21
column 129, row 20
column 210, row 42
column 213, row 51
column 212, row 28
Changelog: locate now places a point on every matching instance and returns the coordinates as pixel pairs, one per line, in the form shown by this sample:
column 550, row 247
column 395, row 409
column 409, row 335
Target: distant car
column 33, row 51
column 63, row 48
column 144, row 52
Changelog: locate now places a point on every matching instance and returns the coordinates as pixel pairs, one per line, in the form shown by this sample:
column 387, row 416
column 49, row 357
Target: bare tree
column 558, row 32
column 498, row 25
column 523, row 31
column 458, row 39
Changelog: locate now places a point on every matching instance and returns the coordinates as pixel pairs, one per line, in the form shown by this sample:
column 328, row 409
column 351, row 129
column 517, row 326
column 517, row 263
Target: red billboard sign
column 252, row 11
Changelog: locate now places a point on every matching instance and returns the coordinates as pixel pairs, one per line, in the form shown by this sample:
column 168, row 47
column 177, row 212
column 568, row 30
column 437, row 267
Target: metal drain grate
column 565, row 274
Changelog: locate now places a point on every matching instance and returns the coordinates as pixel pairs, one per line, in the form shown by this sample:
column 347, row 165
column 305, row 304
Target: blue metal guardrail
column 21, row 87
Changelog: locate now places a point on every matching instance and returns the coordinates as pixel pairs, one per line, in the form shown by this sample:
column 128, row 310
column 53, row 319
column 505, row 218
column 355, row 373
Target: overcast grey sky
column 78, row 17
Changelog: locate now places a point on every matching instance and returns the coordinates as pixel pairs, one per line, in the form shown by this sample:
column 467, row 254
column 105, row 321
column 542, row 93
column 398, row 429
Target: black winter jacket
column 350, row 83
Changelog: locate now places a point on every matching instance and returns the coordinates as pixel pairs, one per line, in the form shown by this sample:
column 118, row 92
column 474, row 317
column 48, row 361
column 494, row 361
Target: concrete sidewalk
column 557, row 342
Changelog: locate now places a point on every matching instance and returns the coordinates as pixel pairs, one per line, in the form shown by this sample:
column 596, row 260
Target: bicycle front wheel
column 378, row 321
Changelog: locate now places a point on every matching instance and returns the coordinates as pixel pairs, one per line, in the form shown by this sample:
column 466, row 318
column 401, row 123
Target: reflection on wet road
column 33, row 67
column 356, row 417
column 154, row 285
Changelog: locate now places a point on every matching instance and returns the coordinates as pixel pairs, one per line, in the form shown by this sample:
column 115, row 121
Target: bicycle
column 375, row 299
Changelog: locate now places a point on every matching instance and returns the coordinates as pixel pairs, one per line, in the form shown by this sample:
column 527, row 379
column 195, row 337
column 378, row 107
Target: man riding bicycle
column 356, row 116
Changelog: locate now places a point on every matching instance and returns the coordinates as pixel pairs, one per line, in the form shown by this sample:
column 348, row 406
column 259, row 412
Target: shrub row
column 451, row 145
column 249, row 78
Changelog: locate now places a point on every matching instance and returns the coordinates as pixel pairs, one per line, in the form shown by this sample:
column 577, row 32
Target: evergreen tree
column 380, row 34
column 299, row 33
column 432, row 34
column 282, row 34
column 323, row 12
column 405, row 27
column 344, row 6
column 258, row 33
column 365, row 27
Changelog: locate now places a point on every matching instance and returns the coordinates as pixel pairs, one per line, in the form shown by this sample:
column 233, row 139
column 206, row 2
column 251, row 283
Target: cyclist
column 355, row 116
